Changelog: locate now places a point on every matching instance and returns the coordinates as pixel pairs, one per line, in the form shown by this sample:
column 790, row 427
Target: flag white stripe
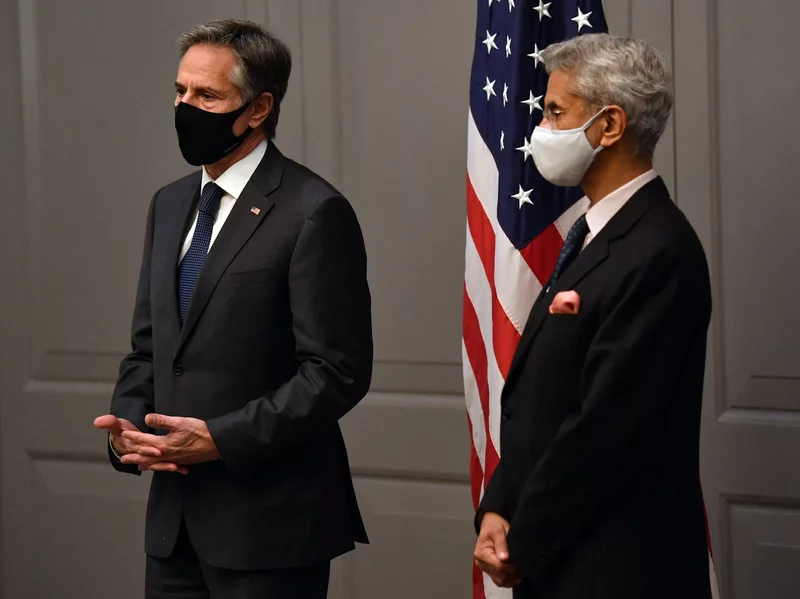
column 492, row 591
column 474, row 410
column 514, row 280
column 480, row 294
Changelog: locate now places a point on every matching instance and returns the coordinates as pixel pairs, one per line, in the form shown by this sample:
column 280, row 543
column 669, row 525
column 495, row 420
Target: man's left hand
column 491, row 551
column 188, row 442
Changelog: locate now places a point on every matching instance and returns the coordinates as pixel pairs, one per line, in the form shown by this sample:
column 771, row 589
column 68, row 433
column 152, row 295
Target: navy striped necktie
column 571, row 248
column 192, row 263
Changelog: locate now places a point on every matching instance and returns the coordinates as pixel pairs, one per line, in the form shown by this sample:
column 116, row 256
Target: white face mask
column 563, row 157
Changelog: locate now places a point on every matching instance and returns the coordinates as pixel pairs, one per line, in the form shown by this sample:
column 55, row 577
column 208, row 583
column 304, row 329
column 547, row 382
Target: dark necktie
column 572, row 247
column 192, row 262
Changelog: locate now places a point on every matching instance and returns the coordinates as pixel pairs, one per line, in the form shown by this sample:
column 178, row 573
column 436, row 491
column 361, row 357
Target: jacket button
column 505, row 415
column 178, row 370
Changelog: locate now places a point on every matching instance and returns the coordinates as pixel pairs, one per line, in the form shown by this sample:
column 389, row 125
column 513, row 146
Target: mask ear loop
column 591, row 121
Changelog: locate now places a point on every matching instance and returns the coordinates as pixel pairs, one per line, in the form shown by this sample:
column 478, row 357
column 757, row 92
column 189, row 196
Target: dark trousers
column 183, row 576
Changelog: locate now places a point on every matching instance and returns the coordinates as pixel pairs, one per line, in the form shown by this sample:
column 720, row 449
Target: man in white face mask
column 597, row 493
column 567, row 144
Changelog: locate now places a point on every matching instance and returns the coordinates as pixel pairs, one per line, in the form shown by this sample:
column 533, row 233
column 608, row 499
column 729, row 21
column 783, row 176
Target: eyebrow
column 553, row 105
column 199, row 90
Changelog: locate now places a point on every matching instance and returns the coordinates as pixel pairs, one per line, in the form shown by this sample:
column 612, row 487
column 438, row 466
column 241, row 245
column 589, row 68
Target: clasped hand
column 491, row 551
column 187, row 442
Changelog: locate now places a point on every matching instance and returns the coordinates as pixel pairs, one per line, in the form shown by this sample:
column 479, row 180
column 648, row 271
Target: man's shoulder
column 180, row 187
column 307, row 188
column 666, row 231
column 664, row 246
column 650, row 227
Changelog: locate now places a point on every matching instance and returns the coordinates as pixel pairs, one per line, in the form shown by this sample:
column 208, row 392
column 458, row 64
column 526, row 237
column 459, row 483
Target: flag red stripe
column 476, row 353
column 541, row 254
column 477, row 583
column 505, row 336
column 475, row 470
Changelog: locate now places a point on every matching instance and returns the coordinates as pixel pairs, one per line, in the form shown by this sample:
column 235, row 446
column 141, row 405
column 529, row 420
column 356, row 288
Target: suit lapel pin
column 255, row 210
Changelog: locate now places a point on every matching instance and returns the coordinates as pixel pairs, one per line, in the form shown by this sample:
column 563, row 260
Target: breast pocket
column 244, row 279
column 564, row 335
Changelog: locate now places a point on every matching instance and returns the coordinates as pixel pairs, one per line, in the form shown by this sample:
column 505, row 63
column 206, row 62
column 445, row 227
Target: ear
column 262, row 107
column 614, row 123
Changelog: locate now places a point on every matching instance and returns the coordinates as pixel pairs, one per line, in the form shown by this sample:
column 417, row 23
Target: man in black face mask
column 251, row 337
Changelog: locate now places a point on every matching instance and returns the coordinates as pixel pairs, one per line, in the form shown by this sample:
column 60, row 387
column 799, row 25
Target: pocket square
column 566, row 302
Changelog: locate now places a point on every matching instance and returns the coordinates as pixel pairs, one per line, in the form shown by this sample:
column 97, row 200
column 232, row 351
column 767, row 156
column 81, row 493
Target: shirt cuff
column 114, row 451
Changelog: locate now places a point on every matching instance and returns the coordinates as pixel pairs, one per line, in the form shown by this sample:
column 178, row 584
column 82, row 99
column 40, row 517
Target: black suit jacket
column 277, row 346
column 599, row 474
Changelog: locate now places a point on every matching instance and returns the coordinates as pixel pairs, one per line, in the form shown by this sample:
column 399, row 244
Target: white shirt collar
column 603, row 211
column 233, row 180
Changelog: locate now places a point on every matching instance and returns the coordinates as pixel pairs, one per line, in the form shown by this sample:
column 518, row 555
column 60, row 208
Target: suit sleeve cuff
column 230, row 437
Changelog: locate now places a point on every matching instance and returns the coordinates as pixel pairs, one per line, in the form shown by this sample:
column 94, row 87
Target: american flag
column 516, row 221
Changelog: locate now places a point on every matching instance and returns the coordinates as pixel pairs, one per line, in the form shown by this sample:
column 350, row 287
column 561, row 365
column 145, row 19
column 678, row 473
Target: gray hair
column 264, row 63
column 624, row 72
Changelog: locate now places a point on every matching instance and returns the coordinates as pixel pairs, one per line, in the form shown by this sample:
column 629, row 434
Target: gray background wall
column 377, row 104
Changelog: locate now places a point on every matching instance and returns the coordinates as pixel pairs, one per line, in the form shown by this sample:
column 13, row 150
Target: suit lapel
column 589, row 259
column 175, row 231
column 238, row 228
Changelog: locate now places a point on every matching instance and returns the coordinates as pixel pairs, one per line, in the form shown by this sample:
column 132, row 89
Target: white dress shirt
column 232, row 182
column 603, row 211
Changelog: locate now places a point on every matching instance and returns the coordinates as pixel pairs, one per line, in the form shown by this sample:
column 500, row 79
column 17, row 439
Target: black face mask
column 207, row 137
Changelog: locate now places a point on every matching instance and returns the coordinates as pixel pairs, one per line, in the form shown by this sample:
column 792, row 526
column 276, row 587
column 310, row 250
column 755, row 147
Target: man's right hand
column 124, row 447
column 115, row 426
column 491, row 551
